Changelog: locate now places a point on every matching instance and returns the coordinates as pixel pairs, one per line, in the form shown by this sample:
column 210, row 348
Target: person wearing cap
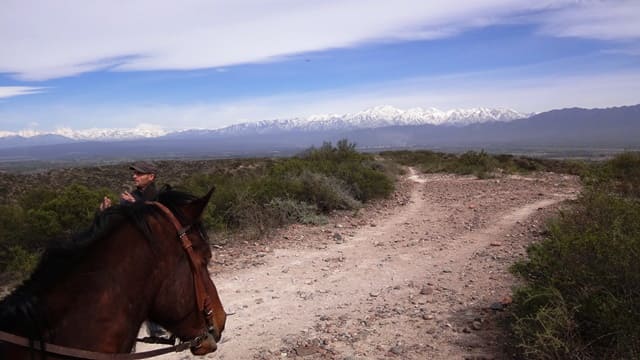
column 144, row 176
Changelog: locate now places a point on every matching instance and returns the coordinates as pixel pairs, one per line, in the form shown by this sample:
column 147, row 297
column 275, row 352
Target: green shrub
column 426, row 161
column 75, row 206
column 34, row 198
column 547, row 328
column 365, row 180
column 41, row 225
column 620, row 175
column 19, row 261
column 246, row 213
column 11, row 225
column 217, row 215
column 590, row 261
column 319, row 179
column 325, row 192
column 480, row 164
column 293, row 211
column 43, row 214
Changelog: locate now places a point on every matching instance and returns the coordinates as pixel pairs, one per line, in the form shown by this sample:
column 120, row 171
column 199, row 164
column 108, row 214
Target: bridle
column 199, row 276
column 202, row 298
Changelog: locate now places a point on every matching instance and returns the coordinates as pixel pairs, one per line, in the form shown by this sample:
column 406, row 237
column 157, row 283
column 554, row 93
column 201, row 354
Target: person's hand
column 126, row 196
column 106, row 202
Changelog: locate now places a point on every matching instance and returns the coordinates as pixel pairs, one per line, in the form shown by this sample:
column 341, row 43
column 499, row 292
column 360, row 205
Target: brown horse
column 94, row 292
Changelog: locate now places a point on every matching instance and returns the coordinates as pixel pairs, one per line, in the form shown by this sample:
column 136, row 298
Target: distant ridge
column 8, row 141
column 377, row 128
column 376, row 117
column 64, row 135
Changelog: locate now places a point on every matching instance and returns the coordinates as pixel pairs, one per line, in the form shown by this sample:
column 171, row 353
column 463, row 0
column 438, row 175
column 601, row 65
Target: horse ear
column 195, row 208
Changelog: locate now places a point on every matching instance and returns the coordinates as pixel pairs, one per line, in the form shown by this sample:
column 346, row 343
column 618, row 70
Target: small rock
column 307, row 350
column 426, row 290
column 397, row 350
column 427, row 316
column 476, row 325
column 496, row 306
column 506, row 300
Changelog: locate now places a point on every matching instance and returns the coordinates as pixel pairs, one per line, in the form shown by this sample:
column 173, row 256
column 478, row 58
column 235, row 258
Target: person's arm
column 127, row 197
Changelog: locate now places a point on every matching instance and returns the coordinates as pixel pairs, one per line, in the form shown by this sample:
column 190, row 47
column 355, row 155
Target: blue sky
column 208, row 64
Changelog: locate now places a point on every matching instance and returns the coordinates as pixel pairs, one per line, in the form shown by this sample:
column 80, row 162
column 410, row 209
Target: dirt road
column 421, row 276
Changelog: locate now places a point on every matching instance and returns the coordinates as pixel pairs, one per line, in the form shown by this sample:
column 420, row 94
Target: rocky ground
column 423, row 275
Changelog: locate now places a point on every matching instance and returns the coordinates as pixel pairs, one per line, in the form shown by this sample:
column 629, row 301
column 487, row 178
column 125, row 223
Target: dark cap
column 144, row 167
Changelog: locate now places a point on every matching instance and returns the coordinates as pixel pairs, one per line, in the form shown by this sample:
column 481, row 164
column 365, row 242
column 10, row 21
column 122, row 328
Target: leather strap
column 202, row 297
column 91, row 355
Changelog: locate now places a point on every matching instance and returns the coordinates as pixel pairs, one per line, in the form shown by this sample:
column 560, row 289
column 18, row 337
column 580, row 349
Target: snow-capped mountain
column 376, row 117
column 140, row 131
column 379, row 116
column 94, row 134
column 564, row 129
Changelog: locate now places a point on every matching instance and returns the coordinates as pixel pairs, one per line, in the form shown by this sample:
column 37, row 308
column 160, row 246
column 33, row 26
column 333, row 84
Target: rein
column 93, row 355
column 204, row 305
column 204, row 302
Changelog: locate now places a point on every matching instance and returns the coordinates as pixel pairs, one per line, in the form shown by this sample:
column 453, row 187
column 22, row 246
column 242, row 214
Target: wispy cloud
column 595, row 19
column 52, row 39
column 11, row 91
column 627, row 50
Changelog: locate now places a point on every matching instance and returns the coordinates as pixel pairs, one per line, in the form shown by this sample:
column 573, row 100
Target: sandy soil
column 423, row 275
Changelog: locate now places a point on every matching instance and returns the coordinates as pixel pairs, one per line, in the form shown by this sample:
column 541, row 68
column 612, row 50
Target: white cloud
column 629, row 50
column 55, row 39
column 596, row 19
column 11, row 91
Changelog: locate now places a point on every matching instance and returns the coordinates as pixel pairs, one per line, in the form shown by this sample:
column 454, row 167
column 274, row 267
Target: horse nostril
column 215, row 333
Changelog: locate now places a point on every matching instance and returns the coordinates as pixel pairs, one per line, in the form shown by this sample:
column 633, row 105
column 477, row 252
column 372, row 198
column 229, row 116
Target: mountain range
column 380, row 116
column 376, row 128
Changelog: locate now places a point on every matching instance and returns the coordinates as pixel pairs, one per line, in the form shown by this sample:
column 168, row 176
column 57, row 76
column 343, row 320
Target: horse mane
column 19, row 310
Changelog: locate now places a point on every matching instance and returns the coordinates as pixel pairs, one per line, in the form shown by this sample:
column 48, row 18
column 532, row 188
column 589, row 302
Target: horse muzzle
column 205, row 344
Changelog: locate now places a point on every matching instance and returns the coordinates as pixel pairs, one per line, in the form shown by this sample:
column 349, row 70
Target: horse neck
column 101, row 306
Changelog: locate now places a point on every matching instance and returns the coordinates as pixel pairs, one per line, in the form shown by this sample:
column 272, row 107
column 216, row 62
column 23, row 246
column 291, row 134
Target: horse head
column 135, row 262
column 187, row 302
